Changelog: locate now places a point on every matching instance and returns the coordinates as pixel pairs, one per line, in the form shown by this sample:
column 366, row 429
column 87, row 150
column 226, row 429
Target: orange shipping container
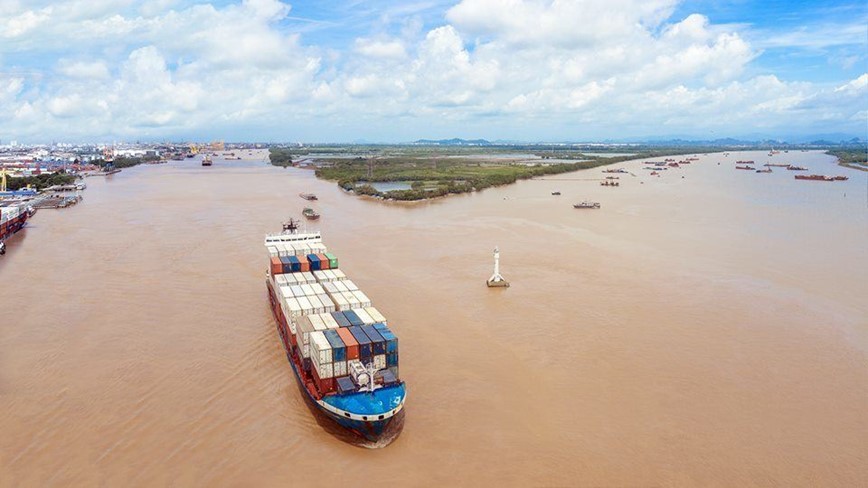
column 349, row 341
column 276, row 266
column 305, row 264
column 323, row 261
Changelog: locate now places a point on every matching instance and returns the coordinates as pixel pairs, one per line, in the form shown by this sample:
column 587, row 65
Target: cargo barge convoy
column 12, row 219
column 341, row 349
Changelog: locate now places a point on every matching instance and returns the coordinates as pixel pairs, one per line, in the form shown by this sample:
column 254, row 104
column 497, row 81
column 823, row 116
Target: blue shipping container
column 378, row 345
column 341, row 319
column 353, row 318
column 314, row 262
column 391, row 359
column 364, row 343
column 296, row 264
column 388, row 336
column 345, row 385
column 287, row 265
column 339, row 351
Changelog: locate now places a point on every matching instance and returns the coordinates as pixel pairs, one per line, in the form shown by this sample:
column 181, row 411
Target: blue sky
column 531, row 70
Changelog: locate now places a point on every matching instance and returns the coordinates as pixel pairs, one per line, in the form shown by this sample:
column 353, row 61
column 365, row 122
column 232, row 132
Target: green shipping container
column 333, row 260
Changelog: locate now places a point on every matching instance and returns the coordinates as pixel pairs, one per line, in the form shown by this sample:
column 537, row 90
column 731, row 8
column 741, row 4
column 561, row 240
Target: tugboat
column 587, row 204
column 308, row 196
column 556, row 193
column 310, row 213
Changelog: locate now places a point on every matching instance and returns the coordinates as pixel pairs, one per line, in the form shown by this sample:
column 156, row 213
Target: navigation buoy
column 497, row 281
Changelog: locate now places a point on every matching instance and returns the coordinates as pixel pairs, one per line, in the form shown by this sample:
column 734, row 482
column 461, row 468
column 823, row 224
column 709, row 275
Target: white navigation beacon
column 496, row 279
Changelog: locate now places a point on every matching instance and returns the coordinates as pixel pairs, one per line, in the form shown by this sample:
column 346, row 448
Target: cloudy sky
column 386, row 70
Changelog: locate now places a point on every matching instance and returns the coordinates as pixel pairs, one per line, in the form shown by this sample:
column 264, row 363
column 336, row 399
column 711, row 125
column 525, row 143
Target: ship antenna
column 372, row 370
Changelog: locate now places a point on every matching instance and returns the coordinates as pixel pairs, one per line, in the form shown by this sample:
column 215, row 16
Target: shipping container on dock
column 337, row 343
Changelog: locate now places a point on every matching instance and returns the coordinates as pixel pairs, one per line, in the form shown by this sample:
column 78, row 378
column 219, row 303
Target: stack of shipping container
column 331, row 322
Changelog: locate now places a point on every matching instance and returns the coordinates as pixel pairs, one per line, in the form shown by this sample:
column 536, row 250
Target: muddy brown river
column 710, row 330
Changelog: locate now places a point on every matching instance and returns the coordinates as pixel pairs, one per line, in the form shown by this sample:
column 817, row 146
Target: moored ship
column 341, row 349
column 821, row 178
column 13, row 218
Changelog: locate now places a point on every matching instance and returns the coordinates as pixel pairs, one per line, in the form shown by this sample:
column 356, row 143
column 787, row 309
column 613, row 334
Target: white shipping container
column 324, row 370
column 286, row 292
column 317, row 322
column 341, row 303
column 317, row 289
column 375, row 314
column 281, row 280
column 380, row 361
column 315, row 304
column 350, row 285
column 366, row 319
column 340, row 368
column 296, row 248
column 327, row 303
column 330, row 321
column 330, row 288
column 319, row 275
column 363, row 299
column 321, row 349
column 339, row 275
column 302, row 335
column 308, row 290
column 297, row 291
column 330, row 275
column 273, row 252
column 293, row 307
column 308, row 277
column 352, row 300
column 341, row 287
column 291, row 279
column 305, row 305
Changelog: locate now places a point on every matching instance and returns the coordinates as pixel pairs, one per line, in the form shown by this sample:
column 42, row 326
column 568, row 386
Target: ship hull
column 372, row 430
column 11, row 227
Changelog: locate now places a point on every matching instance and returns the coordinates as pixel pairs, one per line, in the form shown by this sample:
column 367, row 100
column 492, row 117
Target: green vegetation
column 437, row 170
column 856, row 158
column 39, row 181
column 280, row 156
column 125, row 162
column 432, row 177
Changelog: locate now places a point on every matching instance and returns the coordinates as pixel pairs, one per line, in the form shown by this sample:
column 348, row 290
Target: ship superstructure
column 341, row 348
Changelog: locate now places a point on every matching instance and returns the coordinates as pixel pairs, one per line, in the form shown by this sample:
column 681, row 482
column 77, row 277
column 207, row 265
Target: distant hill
column 453, row 142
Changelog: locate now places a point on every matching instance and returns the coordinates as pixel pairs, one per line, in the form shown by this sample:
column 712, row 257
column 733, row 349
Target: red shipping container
column 276, row 266
column 324, row 386
column 305, row 264
column 350, row 342
column 323, row 261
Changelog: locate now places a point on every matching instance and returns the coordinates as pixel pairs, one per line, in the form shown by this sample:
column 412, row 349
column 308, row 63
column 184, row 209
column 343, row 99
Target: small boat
column 307, row 196
column 206, row 161
column 767, row 170
column 556, row 193
column 310, row 213
column 797, row 168
column 654, row 173
column 609, row 183
column 744, row 167
column 587, row 204
column 613, row 177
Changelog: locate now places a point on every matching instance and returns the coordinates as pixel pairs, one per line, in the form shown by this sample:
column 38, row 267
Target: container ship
column 341, row 349
column 12, row 219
